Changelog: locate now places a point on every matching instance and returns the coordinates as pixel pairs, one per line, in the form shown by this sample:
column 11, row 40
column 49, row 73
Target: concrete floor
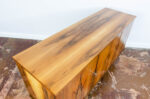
column 128, row 77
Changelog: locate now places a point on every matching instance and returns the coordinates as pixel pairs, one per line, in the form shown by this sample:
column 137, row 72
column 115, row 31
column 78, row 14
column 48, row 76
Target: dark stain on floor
column 128, row 77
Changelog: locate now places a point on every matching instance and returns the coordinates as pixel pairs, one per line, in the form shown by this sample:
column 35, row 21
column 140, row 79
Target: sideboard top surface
column 56, row 60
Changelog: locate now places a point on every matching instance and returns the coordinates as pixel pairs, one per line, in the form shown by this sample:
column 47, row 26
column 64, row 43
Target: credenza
column 68, row 64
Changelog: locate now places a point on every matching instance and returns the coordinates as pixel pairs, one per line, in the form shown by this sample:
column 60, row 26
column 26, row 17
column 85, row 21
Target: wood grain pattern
column 81, row 85
column 35, row 88
column 74, row 55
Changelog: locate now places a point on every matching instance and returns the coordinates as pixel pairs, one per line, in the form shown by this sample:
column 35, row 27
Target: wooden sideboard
column 69, row 63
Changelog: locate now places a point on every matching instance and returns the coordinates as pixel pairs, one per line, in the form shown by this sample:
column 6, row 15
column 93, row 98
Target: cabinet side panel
column 126, row 32
column 35, row 88
column 35, row 85
column 28, row 86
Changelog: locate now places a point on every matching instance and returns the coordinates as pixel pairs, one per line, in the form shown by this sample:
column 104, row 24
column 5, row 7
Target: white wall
column 38, row 19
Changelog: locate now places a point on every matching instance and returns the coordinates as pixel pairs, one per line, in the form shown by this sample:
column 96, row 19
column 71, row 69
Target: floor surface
column 128, row 77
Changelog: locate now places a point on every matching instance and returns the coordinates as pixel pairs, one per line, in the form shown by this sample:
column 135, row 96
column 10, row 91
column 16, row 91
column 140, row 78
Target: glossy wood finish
column 69, row 63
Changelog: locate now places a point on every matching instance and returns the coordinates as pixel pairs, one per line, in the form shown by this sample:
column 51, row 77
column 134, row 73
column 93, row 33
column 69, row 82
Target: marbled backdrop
column 128, row 77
